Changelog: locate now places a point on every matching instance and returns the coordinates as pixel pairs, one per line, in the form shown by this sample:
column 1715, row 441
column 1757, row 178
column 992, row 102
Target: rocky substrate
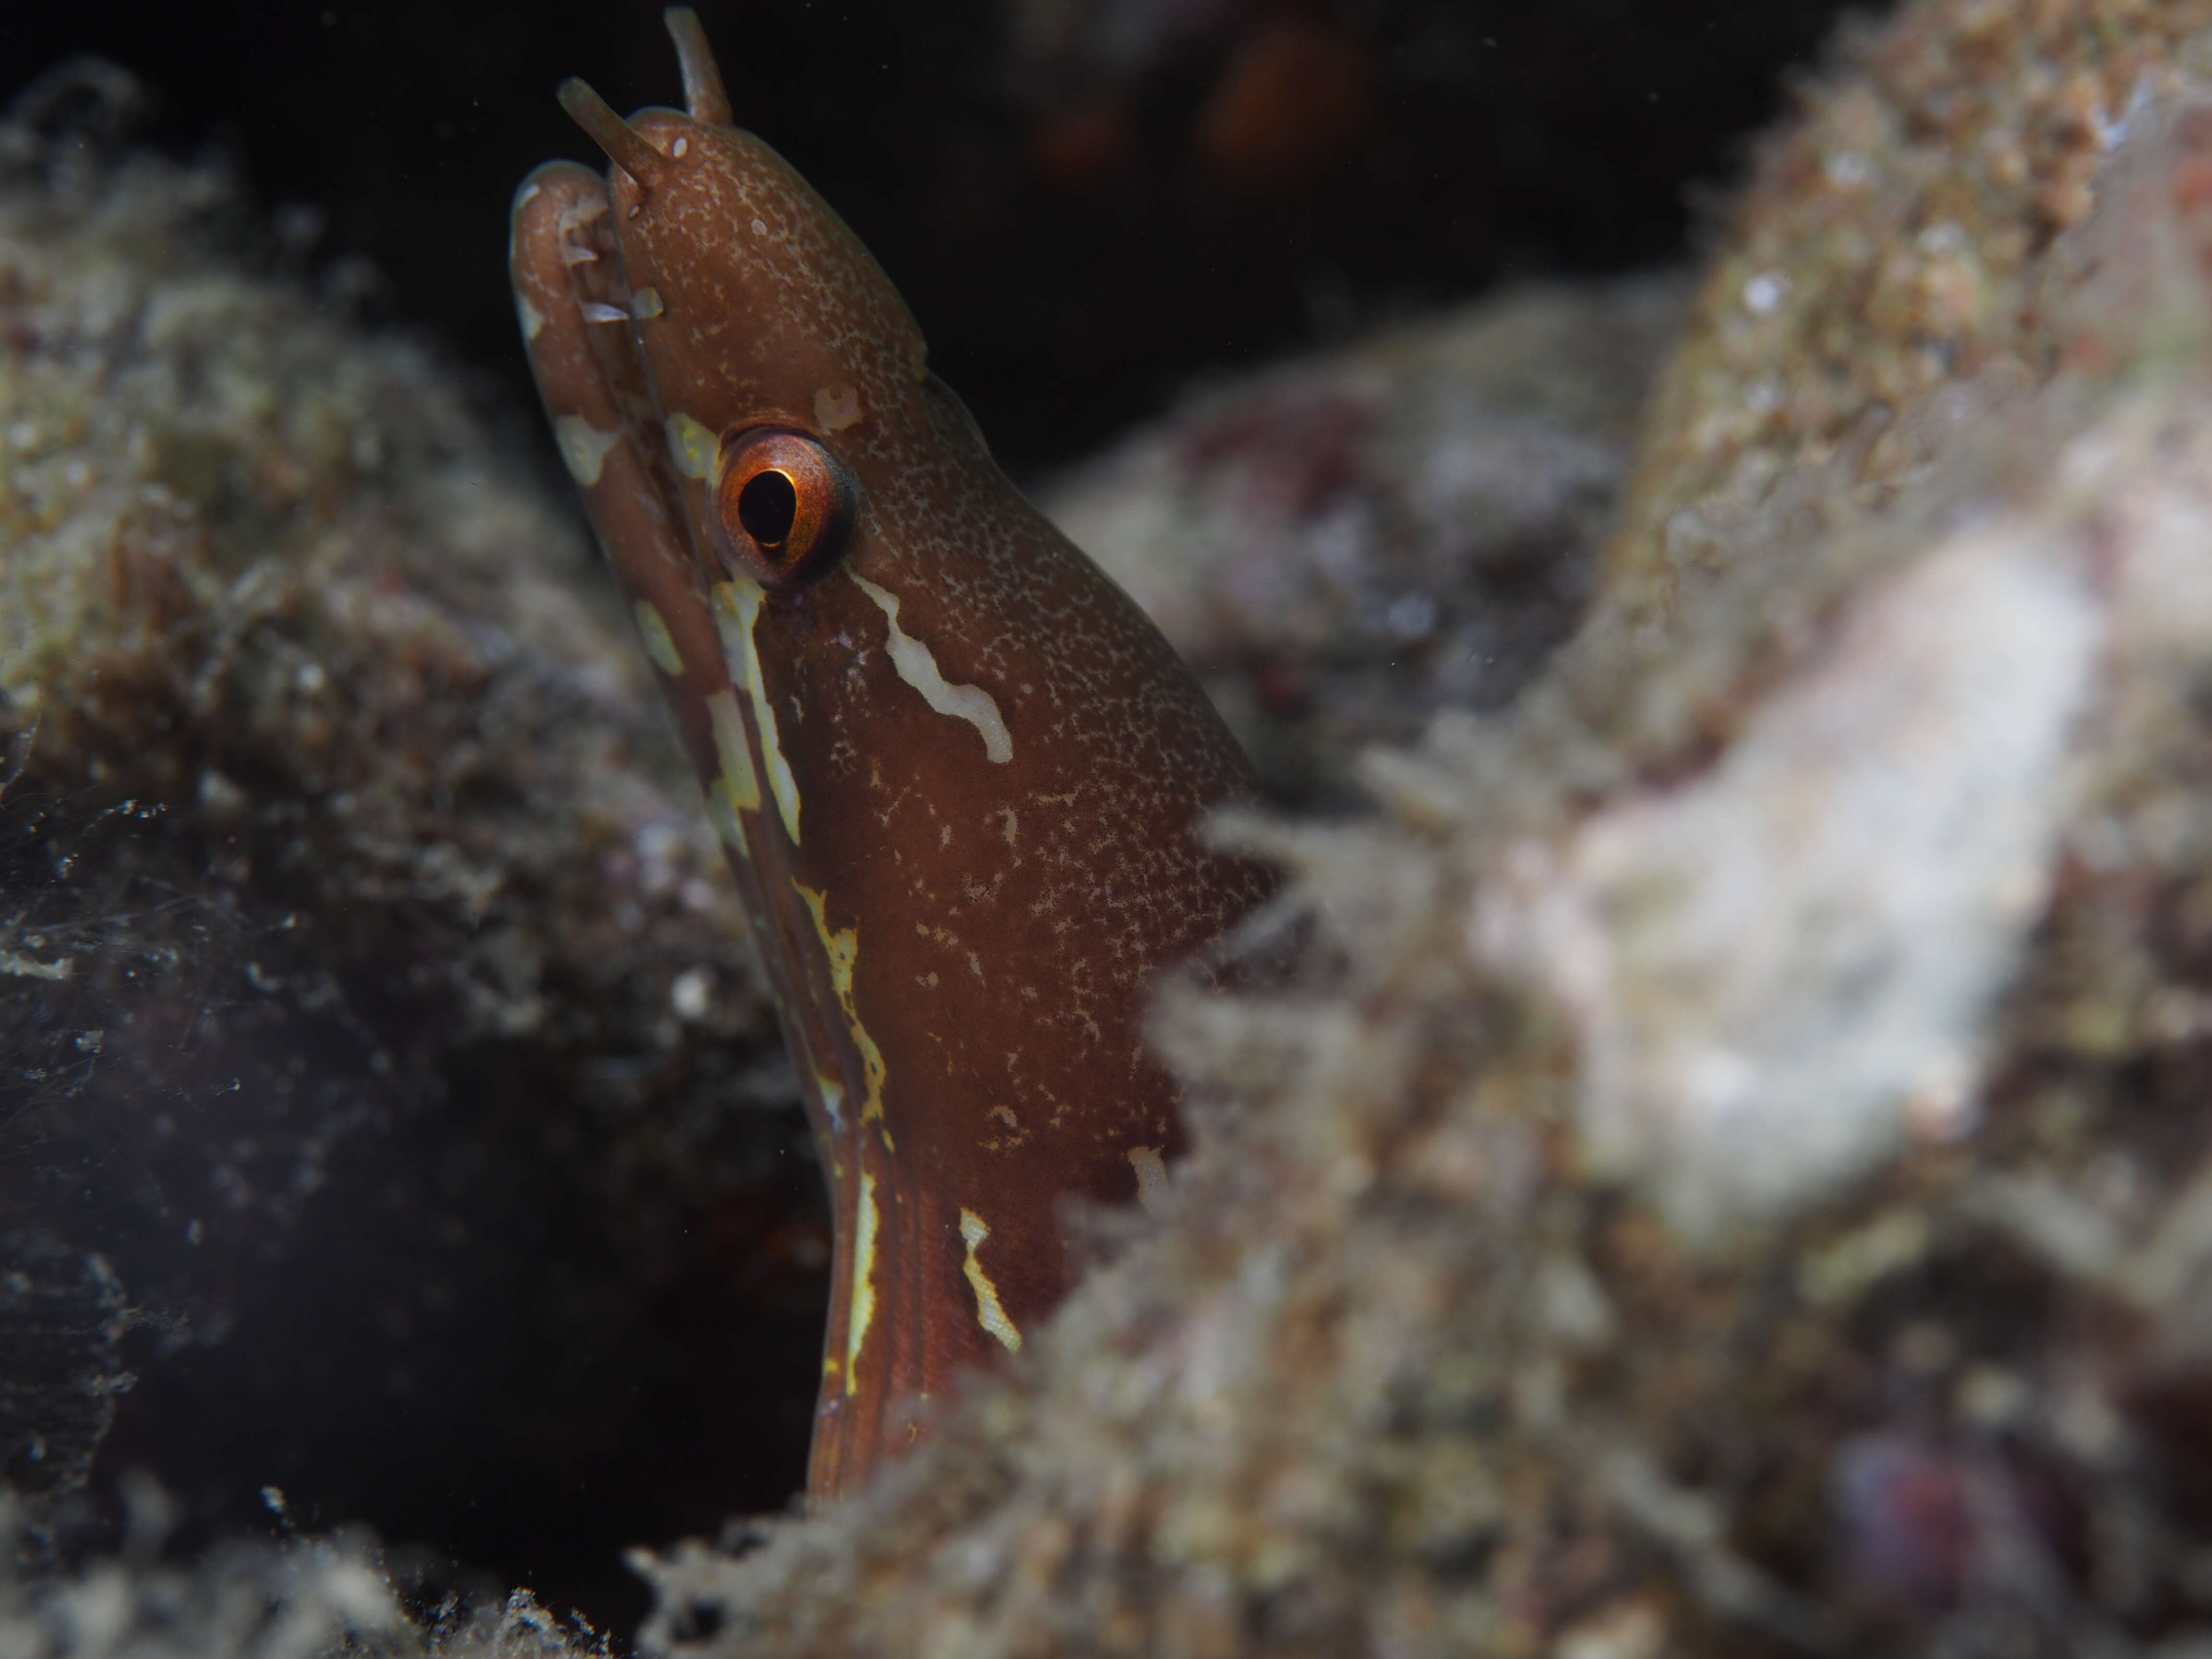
column 1728, row 1173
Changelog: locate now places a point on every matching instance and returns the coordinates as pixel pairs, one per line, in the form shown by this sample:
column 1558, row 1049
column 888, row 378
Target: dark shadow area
column 1082, row 214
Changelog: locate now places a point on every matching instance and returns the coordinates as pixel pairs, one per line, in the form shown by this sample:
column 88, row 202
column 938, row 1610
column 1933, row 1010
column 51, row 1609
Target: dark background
column 1080, row 223
column 1082, row 220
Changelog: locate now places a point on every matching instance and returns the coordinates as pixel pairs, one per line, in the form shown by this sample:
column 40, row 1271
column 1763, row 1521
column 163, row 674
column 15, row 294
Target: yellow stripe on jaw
column 989, row 1314
column 842, row 946
column 725, row 820
column 730, row 750
column 737, row 608
column 863, row 1306
column 735, row 787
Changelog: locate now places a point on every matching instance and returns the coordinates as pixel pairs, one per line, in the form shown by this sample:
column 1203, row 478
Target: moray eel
column 957, row 770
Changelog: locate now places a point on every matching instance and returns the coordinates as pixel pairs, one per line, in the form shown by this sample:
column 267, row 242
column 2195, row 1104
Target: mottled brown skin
column 997, row 921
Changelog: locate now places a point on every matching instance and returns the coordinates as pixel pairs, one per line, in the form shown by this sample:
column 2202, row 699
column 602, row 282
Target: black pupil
column 766, row 506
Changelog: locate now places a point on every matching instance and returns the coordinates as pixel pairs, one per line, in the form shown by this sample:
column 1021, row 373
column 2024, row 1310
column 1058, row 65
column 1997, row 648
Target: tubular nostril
column 702, row 80
column 626, row 147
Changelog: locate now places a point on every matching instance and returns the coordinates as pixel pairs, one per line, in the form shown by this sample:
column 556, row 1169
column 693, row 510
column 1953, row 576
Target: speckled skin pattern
column 961, row 944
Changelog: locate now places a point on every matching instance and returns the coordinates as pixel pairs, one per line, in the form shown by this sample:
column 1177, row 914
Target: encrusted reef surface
column 1733, row 1177
column 1730, row 1175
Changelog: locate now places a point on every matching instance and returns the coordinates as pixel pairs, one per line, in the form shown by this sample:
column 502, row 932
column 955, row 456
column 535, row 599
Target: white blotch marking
column 915, row 664
column 759, row 228
column 988, row 1312
column 690, row 446
column 646, row 302
column 863, row 1308
column 528, row 315
column 836, row 407
column 737, row 608
column 659, row 643
column 678, row 148
column 583, row 447
column 1152, row 1175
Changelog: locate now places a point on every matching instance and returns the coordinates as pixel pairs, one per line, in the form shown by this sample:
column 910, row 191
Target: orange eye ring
column 783, row 504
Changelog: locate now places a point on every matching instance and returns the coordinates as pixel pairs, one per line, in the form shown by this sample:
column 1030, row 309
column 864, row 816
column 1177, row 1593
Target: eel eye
column 782, row 504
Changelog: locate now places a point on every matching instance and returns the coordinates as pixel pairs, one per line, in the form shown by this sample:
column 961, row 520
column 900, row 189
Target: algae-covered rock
column 353, row 905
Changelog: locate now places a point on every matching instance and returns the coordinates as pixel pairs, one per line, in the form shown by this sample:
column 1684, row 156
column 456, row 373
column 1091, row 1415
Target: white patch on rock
column 1777, row 969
